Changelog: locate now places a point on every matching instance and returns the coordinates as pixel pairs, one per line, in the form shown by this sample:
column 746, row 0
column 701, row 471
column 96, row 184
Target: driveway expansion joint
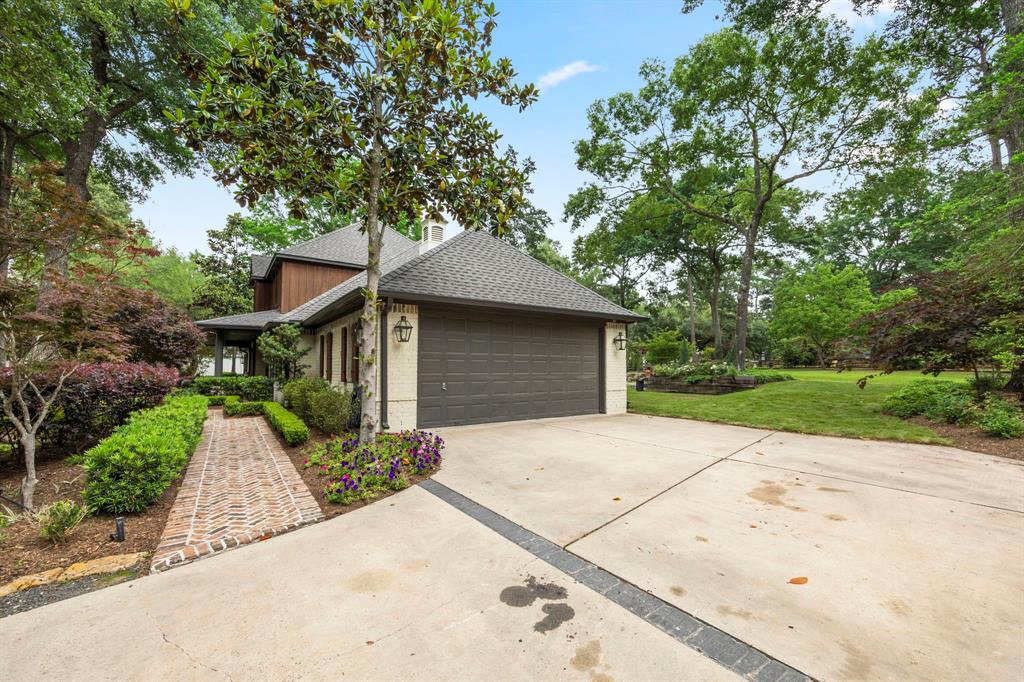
column 716, row 644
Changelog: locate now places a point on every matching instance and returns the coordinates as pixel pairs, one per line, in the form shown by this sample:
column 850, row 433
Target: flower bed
column 355, row 472
column 709, row 378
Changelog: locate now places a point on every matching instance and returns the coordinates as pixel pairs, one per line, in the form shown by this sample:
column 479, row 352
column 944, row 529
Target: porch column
column 218, row 355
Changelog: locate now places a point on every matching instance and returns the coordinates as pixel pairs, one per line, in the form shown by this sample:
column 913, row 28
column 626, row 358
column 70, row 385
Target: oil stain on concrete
column 521, row 596
column 587, row 658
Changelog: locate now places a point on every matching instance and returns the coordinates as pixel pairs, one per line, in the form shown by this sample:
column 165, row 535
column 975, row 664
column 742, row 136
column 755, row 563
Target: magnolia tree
column 364, row 105
column 53, row 332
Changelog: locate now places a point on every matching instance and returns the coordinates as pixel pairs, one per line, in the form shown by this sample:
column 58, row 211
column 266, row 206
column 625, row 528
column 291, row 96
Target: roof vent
column 433, row 234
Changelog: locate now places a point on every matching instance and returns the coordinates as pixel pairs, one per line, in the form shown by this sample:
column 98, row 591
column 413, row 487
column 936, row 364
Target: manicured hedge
column 129, row 471
column 292, row 429
column 247, row 388
column 235, row 407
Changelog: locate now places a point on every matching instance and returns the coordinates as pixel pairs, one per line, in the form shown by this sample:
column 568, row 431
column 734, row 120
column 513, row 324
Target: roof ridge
column 355, row 224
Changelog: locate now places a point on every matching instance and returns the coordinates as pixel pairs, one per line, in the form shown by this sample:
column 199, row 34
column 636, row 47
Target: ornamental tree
column 364, row 105
column 767, row 109
column 282, row 350
column 51, row 333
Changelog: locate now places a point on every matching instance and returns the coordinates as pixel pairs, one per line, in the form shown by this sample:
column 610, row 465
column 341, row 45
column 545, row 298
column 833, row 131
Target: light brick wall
column 341, row 375
column 402, row 363
column 615, row 371
column 403, row 360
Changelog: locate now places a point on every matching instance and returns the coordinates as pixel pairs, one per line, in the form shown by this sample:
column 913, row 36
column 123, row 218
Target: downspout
column 384, row 367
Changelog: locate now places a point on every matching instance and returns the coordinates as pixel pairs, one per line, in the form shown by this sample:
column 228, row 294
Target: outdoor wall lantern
column 620, row 341
column 403, row 330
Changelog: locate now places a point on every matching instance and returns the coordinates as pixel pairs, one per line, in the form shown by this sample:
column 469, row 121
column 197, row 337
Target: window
column 321, row 356
column 344, row 352
column 355, row 356
column 330, row 357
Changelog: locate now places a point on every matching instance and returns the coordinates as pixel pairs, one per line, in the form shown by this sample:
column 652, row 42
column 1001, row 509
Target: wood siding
column 294, row 282
column 300, row 282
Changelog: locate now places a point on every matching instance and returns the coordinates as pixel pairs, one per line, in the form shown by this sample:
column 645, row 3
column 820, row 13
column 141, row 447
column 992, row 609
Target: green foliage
column 331, row 410
column 247, row 388
column 299, row 392
column 372, row 116
column 129, row 470
column 664, row 347
column 281, row 349
column 817, row 306
column 58, row 520
column 218, row 400
column 1001, row 418
column 743, row 116
column 292, row 429
column 225, row 271
column 922, row 396
column 233, row 407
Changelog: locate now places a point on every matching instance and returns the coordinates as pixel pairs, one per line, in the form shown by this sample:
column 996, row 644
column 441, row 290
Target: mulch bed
column 23, row 552
column 315, row 482
column 975, row 440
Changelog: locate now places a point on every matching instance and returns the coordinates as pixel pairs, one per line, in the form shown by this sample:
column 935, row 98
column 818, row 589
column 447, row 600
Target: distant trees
column 765, row 108
column 817, row 306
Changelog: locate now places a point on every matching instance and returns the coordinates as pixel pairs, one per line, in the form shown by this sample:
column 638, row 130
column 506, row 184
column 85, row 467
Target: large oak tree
column 772, row 107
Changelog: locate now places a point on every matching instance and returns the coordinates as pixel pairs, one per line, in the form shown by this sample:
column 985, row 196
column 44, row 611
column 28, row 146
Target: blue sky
column 579, row 51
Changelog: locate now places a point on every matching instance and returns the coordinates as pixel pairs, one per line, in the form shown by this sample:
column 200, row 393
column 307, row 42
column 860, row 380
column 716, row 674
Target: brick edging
column 716, row 644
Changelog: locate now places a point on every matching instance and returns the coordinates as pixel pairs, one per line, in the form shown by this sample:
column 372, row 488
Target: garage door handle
column 444, row 385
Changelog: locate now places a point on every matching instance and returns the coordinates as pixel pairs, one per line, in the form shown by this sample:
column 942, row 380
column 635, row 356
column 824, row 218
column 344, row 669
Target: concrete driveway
column 596, row 548
column 849, row 560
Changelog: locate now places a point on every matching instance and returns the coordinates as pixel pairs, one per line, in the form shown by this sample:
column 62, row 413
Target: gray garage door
column 475, row 369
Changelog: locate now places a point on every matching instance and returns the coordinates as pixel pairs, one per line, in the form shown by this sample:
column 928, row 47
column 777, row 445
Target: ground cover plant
column 357, row 472
column 958, row 403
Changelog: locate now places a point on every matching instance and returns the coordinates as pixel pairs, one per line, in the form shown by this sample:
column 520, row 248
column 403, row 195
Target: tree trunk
column 28, row 484
column 7, row 145
column 693, row 313
column 368, row 333
column 743, row 299
column 716, row 314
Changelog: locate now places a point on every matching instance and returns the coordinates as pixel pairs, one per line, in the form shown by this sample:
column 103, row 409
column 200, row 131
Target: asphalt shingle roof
column 345, row 245
column 478, row 267
column 244, row 321
column 259, row 265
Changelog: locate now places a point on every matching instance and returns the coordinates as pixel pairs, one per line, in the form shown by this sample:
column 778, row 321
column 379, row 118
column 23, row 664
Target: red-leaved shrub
column 95, row 399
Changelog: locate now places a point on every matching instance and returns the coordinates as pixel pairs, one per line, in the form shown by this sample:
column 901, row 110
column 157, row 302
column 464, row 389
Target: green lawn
column 819, row 401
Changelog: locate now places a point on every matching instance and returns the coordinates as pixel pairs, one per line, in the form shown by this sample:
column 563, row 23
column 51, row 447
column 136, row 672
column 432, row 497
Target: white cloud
column 844, row 10
column 564, row 73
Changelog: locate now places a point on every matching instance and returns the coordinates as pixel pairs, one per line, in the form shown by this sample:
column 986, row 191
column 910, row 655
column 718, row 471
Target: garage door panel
column 504, row 368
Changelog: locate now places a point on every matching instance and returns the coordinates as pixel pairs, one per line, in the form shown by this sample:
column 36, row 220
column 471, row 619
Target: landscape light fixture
column 403, row 330
column 620, row 341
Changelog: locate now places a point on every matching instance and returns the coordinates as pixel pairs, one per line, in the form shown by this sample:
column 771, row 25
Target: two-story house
column 473, row 330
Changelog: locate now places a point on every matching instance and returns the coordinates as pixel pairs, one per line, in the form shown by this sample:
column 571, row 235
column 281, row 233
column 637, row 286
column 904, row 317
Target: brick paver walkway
column 240, row 487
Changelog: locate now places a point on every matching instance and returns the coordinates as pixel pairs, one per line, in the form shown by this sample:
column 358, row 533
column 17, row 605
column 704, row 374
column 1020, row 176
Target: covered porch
column 241, row 332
